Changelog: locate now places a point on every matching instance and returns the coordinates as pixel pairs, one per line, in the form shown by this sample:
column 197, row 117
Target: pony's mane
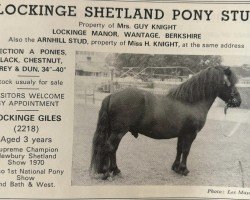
column 203, row 85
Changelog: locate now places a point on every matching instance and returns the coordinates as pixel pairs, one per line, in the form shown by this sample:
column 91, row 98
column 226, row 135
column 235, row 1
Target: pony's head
column 228, row 91
column 208, row 84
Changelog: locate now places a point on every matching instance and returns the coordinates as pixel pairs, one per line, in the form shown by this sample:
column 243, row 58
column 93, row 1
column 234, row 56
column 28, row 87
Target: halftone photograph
column 152, row 119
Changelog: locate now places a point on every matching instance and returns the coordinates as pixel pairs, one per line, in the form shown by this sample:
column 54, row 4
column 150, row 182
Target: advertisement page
column 124, row 99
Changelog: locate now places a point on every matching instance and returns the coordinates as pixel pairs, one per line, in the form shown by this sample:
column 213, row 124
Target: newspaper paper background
column 60, row 59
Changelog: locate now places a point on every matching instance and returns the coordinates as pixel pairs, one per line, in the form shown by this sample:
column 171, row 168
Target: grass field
column 214, row 159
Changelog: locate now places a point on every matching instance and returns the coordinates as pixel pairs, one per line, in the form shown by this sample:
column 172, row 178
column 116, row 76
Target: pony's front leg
column 186, row 145
column 177, row 161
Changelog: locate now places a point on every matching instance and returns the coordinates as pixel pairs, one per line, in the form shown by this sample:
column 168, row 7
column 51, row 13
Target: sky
column 235, row 60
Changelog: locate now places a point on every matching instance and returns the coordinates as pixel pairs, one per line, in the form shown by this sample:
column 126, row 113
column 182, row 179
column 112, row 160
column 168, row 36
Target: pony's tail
column 99, row 159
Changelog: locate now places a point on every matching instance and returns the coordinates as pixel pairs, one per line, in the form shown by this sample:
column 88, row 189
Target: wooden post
column 111, row 80
column 85, row 95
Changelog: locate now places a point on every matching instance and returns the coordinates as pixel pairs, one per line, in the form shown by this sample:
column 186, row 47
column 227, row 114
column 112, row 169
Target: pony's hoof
column 176, row 167
column 105, row 176
column 183, row 171
column 116, row 172
column 180, row 169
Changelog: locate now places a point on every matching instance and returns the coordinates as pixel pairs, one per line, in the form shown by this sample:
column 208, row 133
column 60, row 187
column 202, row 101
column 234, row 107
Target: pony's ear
column 227, row 71
column 226, row 81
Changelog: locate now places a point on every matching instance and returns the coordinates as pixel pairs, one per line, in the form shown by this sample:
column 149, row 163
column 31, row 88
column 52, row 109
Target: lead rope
column 236, row 127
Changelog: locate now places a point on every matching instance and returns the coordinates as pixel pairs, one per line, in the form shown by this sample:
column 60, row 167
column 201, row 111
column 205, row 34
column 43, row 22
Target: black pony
column 181, row 113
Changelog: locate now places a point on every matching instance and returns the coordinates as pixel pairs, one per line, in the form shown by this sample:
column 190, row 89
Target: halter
column 232, row 100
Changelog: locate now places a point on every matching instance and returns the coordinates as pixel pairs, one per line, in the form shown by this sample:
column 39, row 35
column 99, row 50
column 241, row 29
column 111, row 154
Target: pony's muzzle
column 234, row 102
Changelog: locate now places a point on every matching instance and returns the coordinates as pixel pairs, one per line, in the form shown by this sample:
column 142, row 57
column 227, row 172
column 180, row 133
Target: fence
column 94, row 90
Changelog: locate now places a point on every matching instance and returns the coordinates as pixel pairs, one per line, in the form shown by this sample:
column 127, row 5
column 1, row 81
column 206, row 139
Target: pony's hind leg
column 113, row 165
column 176, row 163
column 113, row 143
column 106, row 164
column 109, row 155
